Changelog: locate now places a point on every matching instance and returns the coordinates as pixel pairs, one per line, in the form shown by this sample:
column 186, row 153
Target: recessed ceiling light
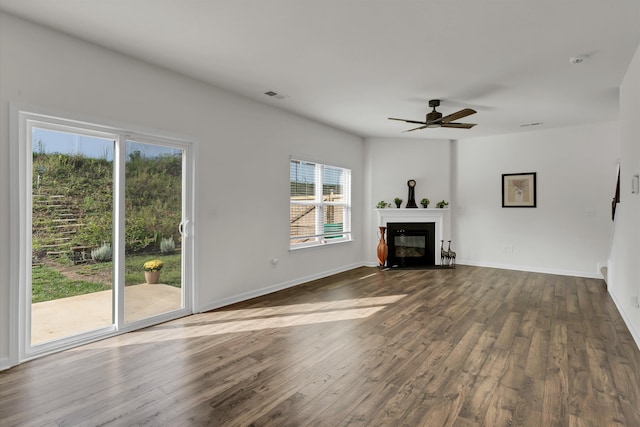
column 576, row 59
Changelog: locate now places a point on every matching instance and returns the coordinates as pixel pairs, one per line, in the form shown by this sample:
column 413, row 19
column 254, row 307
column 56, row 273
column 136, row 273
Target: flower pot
column 152, row 277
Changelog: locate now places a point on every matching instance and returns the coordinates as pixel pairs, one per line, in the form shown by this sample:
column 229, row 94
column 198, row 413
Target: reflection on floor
column 64, row 317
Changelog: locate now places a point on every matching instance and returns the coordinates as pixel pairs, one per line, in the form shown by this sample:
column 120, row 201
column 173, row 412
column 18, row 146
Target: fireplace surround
column 438, row 217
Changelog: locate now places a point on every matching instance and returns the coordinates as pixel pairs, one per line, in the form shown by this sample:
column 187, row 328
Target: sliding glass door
column 105, row 237
column 153, row 214
column 72, row 228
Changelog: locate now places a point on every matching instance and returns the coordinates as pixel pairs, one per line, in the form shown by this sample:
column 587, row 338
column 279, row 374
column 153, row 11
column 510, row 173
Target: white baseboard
column 625, row 318
column 4, row 363
column 559, row 272
column 274, row 288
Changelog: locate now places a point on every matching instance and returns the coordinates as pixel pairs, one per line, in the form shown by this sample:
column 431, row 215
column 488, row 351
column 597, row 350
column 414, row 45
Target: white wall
column 242, row 186
column 624, row 265
column 253, row 142
column 575, row 169
column 569, row 230
column 390, row 163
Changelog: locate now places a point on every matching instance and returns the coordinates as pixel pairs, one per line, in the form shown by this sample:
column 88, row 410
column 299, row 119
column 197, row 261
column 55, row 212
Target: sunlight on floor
column 255, row 319
column 303, row 308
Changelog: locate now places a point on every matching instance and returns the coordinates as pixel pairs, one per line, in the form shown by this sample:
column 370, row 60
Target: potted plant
column 425, row 202
column 382, row 204
column 442, row 204
column 152, row 271
column 397, row 201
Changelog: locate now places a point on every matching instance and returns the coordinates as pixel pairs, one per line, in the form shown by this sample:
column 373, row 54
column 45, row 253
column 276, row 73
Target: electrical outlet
column 636, row 302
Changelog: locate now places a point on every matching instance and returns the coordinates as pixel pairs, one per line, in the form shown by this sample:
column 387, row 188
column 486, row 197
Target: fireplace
column 411, row 244
column 439, row 218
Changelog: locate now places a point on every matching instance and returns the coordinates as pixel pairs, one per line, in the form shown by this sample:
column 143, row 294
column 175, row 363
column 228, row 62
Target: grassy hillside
column 73, row 201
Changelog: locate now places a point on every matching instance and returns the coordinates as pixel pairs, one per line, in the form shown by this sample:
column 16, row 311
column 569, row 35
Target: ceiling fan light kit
column 434, row 119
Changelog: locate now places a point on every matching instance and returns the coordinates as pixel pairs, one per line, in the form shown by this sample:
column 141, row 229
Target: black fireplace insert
column 411, row 244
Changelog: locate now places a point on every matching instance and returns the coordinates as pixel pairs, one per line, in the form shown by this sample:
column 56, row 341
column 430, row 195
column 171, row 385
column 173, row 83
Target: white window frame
column 321, row 237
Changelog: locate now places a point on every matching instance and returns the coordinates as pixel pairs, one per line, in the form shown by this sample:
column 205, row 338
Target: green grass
column 49, row 283
column 169, row 275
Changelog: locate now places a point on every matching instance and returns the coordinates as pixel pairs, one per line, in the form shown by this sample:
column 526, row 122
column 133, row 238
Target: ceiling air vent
column 531, row 124
column 275, row 95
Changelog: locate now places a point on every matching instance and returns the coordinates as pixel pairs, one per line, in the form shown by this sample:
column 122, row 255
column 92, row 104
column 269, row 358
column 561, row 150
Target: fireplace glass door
column 411, row 244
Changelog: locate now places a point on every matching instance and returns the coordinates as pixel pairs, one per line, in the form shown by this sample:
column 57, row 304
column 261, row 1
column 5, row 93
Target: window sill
column 329, row 242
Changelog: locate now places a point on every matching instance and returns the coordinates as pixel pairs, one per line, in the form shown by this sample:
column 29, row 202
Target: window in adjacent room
column 320, row 204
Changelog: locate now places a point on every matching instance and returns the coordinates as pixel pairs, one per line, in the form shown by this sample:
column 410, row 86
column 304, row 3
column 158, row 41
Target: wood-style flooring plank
column 465, row 347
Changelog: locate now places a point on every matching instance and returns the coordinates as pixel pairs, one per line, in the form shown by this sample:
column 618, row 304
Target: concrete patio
column 51, row 320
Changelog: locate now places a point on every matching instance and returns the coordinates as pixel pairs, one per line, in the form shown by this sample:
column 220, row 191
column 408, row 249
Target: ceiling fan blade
column 460, row 114
column 408, row 121
column 418, row 128
column 458, row 125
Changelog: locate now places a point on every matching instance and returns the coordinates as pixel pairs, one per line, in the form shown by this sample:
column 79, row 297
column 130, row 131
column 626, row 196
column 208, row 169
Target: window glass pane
column 153, row 213
column 72, row 229
column 302, row 178
column 332, row 184
column 333, row 221
column 302, row 219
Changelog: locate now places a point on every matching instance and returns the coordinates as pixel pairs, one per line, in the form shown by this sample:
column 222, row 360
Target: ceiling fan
column 434, row 119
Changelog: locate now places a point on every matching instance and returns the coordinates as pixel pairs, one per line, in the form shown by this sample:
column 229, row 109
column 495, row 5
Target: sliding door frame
column 21, row 149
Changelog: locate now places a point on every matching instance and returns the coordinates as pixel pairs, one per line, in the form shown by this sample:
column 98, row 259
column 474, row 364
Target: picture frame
column 519, row 190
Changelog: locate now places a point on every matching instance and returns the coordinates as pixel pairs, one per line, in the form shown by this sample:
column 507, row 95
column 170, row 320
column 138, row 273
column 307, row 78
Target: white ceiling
column 353, row 63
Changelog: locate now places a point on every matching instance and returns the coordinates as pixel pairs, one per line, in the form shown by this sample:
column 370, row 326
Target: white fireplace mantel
column 438, row 216
column 412, row 215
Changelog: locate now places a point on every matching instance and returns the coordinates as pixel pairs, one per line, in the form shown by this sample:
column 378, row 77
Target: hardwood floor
column 464, row 347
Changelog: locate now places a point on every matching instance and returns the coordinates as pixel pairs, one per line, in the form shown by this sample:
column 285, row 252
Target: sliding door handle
column 183, row 228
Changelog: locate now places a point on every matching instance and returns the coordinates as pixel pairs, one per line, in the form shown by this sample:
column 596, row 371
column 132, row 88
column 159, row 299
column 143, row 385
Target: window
column 320, row 204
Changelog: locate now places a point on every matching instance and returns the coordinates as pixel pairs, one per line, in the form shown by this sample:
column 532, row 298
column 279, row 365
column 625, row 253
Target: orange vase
column 383, row 249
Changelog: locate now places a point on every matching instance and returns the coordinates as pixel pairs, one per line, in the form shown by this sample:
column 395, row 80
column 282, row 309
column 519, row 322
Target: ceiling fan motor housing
column 433, row 116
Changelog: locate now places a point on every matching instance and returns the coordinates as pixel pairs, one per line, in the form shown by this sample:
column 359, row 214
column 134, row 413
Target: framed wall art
column 519, row 190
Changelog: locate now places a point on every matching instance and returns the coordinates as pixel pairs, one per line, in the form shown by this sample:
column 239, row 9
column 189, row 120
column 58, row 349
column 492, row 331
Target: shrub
column 167, row 245
column 103, row 253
